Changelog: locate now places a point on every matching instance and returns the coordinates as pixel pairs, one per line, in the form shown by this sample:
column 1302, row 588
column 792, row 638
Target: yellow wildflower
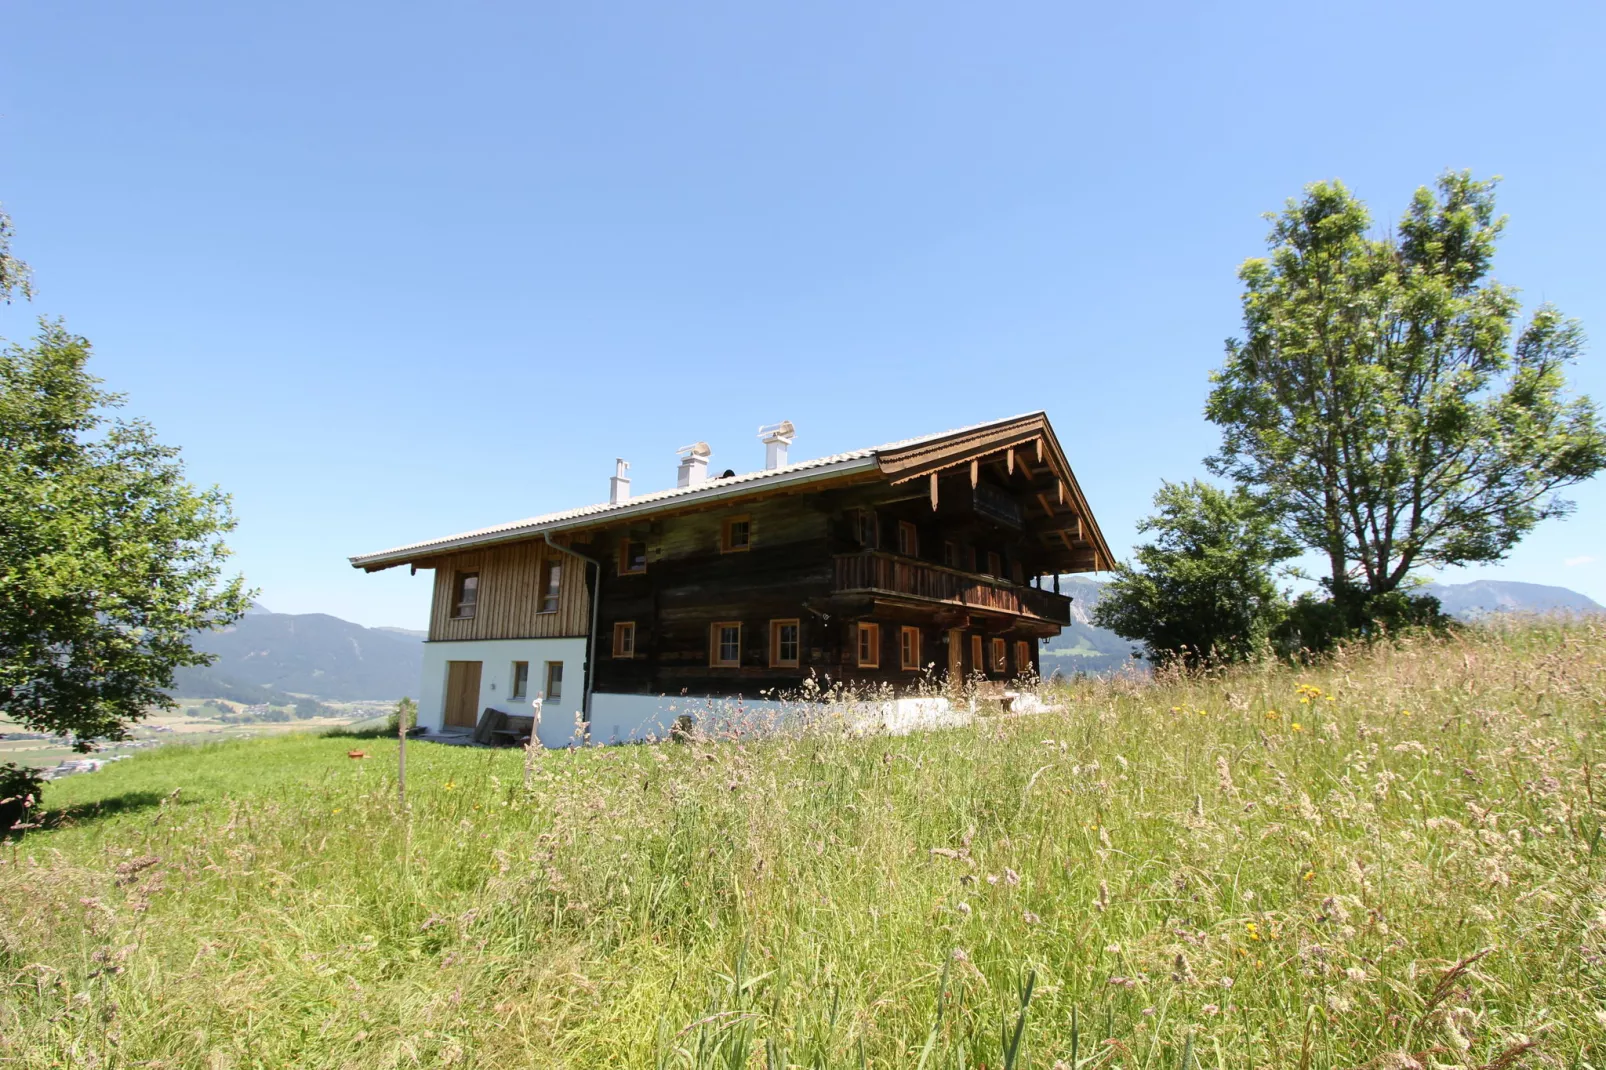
column 451, row 785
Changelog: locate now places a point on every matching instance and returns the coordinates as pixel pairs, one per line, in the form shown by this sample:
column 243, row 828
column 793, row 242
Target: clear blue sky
column 391, row 271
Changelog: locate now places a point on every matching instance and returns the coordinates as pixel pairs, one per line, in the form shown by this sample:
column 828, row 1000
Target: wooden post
column 401, row 758
column 1009, row 459
column 934, row 492
column 975, row 472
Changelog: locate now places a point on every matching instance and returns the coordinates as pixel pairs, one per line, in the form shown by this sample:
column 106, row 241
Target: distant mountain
column 1482, row 597
column 266, row 653
column 1082, row 646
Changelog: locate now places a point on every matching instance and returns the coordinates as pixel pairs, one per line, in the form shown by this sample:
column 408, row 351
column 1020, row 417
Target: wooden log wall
column 511, row 586
column 789, row 573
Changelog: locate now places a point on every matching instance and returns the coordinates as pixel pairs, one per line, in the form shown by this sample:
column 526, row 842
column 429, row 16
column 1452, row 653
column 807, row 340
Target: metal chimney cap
column 696, row 449
column 781, row 432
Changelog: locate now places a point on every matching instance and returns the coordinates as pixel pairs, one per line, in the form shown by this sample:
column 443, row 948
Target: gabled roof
column 891, row 458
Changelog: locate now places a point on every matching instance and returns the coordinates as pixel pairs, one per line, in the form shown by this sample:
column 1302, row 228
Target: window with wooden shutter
column 725, row 644
column 869, row 646
column 632, row 556
column 785, row 647
column 624, row 639
column 465, row 595
column 909, row 647
column 554, row 587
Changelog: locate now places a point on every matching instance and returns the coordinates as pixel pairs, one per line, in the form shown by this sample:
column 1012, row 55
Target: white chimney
column 619, row 485
column 693, row 464
column 776, row 438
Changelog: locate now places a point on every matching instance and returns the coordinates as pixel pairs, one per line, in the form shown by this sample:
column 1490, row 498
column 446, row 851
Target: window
column 866, row 528
column 999, row 653
column 995, row 565
column 909, row 647
column 632, row 557
column 1023, row 657
column 465, row 594
column 950, row 554
column 869, row 646
column 908, row 539
column 975, row 655
column 725, row 644
column 521, row 679
column 554, row 583
column 624, row 639
column 784, row 646
column 554, row 681
column 737, row 534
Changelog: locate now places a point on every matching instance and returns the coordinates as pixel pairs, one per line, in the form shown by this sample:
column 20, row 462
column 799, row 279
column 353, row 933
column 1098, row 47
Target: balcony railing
column 873, row 570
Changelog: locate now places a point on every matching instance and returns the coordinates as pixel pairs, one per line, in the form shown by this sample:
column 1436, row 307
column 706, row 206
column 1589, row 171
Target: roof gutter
column 591, row 640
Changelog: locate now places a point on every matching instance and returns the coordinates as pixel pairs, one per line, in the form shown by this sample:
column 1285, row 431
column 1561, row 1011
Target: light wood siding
column 512, row 583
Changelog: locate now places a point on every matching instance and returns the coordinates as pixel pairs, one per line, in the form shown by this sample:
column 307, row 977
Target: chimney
column 776, row 438
column 693, row 464
column 619, row 485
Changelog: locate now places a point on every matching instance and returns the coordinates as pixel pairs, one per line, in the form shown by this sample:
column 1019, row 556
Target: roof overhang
column 1027, row 441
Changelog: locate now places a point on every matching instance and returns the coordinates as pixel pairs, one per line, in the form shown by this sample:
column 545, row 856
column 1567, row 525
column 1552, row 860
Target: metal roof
column 713, row 488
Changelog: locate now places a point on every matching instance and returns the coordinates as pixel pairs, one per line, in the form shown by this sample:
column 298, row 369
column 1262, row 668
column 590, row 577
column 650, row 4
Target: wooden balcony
column 882, row 573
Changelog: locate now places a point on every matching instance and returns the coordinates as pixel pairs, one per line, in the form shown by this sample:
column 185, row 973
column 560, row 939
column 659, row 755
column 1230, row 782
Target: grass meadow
column 1393, row 859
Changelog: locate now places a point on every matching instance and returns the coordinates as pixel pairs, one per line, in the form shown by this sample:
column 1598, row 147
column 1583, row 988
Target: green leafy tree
column 1382, row 404
column 1204, row 590
column 109, row 559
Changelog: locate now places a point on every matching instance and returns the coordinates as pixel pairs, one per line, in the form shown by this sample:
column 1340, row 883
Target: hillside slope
column 304, row 654
column 1170, row 868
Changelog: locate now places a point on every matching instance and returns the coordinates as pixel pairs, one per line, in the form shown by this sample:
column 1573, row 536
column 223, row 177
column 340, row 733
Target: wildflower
column 1010, row 876
column 1103, row 901
column 1272, row 715
column 1226, row 982
column 959, row 955
column 451, row 785
column 963, row 908
column 336, row 810
column 1210, row 1008
column 1113, row 949
column 1296, row 726
column 1310, row 875
column 1029, row 918
column 1405, row 713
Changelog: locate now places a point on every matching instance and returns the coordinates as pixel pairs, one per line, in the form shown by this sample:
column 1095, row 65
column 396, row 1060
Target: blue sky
column 388, row 271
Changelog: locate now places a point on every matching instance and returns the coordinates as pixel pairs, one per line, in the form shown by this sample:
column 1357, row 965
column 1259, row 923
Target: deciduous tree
column 1204, row 590
column 1382, row 403
column 109, row 559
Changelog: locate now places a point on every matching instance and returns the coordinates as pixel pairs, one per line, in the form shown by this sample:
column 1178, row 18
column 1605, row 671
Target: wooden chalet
column 936, row 557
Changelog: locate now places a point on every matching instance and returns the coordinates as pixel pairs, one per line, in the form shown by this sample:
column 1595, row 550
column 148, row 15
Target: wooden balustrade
column 873, row 570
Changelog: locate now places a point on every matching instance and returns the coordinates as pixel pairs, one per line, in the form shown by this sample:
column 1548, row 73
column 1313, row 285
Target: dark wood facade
column 874, row 553
column 927, row 564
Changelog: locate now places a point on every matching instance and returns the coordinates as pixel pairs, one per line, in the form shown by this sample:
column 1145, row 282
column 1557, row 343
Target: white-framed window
column 725, row 644
column 521, row 680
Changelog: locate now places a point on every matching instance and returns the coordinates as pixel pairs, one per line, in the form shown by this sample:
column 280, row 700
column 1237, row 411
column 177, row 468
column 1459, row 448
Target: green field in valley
column 1394, row 859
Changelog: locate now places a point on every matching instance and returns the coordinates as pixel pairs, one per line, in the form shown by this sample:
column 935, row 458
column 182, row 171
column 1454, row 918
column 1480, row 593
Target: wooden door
column 462, row 693
column 956, row 662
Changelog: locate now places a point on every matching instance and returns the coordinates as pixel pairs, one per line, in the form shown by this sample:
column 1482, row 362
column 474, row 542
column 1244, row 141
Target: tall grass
column 1394, row 858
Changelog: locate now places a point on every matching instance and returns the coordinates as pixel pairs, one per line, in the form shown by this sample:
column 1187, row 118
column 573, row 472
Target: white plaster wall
column 496, row 681
column 634, row 718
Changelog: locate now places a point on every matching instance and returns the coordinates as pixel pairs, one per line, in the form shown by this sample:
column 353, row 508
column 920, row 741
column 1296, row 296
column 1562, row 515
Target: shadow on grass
column 127, row 803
